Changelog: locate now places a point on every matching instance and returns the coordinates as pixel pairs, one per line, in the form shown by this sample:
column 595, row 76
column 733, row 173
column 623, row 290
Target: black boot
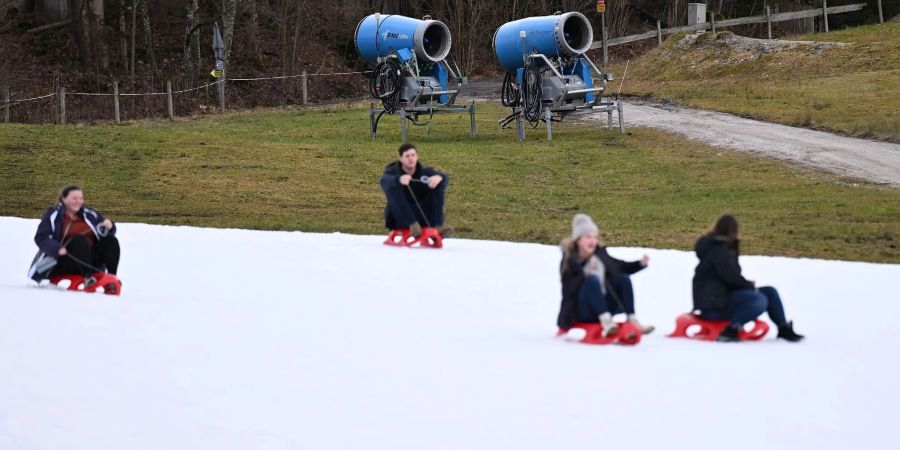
column 787, row 333
column 730, row 334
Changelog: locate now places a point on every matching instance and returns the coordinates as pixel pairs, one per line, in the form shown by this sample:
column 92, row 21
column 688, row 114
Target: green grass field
column 853, row 89
column 317, row 170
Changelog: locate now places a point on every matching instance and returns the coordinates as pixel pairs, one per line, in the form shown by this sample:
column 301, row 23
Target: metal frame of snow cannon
column 409, row 80
column 565, row 81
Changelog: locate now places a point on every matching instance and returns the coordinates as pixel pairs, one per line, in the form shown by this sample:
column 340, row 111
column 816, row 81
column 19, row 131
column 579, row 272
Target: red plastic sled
column 709, row 330
column 628, row 334
column 110, row 284
column 401, row 237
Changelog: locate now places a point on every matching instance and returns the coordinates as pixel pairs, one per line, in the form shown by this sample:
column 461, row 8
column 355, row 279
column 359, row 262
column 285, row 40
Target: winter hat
column 581, row 224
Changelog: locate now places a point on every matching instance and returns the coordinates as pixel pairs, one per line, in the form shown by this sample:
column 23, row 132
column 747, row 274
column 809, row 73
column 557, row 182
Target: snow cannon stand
column 692, row 326
column 109, row 282
column 628, row 334
column 430, row 238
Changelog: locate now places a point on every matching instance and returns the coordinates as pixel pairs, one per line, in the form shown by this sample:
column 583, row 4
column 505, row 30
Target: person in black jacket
column 74, row 239
column 595, row 286
column 415, row 193
column 722, row 293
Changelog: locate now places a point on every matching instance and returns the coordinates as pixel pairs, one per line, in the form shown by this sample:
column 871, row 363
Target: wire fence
column 64, row 106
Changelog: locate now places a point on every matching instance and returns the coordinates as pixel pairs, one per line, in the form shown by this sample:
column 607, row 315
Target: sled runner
column 110, row 284
column 430, row 237
column 692, row 326
column 628, row 334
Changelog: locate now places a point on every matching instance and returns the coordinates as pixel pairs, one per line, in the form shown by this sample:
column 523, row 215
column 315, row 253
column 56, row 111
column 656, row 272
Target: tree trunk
column 190, row 23
column 253, row 32
column 97, row 16
column 230, row 10
column 123, row 33
column 81, row 36
column 133, row 31
column 148, row 36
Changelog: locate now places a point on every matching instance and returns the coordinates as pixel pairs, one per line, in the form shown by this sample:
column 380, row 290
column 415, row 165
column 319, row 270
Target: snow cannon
column 379, row 36
column 412, row 77
column 566, row 35
column 548, row 72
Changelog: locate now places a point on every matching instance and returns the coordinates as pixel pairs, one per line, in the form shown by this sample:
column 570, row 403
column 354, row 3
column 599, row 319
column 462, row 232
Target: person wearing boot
column 595, row 286
column 74, row 239
column 720, row 291
column 415, row 193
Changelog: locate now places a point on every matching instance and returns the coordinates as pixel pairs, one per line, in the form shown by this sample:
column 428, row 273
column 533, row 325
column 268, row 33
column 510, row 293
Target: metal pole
column 170, row 110
column 403, row 125
column 116, row 101
column 520, row 125
column 880, row 14
column 304, row 86
column 621, row 117
column 769, row 21
column 549, row 124
column 62, row 105
column 5, row 104
column 603, row 36
column 472, row 119
column 712, row 21
column 372, row 120
column 609, row 118
column 825, row 14
column 658, row 33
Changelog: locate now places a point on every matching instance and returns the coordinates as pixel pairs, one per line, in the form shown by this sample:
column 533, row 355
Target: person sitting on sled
column 74, row 240
column 595, row 286
column 415, row 193
column 720, row 291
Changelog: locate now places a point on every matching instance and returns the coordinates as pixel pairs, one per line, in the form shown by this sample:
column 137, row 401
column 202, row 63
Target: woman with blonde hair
column 595, row 286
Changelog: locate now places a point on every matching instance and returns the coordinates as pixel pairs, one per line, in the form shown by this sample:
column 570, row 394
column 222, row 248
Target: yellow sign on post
column 601, row 6
column 216, row 73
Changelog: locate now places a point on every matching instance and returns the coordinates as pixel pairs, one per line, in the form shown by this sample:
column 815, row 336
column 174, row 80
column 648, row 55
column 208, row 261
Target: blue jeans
column 401, row 210
column 592, row 302
column 747, row 304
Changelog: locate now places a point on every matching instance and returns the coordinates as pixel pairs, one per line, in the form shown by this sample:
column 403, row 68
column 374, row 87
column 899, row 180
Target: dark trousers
column 401, row 210
column 592, row 301
column 747, row 304
column 103, row 255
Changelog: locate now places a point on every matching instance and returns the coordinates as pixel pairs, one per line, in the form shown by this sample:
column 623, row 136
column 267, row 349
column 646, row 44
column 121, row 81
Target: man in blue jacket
column 74, row 239
column 415, row 193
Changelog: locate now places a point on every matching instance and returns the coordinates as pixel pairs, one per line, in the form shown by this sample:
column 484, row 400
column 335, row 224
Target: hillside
column 846, row 81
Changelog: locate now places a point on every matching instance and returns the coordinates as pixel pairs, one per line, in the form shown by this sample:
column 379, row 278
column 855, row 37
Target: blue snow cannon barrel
column 566, row 34
column 378, row 35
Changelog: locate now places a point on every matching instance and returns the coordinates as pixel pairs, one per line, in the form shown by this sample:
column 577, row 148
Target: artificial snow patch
column 234, row 339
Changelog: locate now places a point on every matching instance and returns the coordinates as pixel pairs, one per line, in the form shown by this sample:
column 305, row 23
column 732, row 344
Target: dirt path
column 865, row 159
column 859, row 158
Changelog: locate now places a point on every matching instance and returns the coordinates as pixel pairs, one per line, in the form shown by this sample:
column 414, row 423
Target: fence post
column 825, row 14
column 658, row 33
column 304, row 86
column 712, row 21
column 222, row 93
column 5, row 104
column 880, row 14
column 170, row 110
column 62, row 105
column 769, row 21
column 116, row 101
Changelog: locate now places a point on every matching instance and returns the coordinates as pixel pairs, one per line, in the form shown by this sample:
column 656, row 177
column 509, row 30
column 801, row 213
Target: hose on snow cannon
column 411, row 74
column 548, row 73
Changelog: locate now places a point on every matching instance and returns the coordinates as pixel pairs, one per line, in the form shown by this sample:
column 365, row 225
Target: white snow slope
column 233, row 339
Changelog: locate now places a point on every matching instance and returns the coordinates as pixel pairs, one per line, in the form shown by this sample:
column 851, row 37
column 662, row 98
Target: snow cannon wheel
column 692, row 326
column 400, row 238
column 110, row 283
column 430, row 237
column 627, row 334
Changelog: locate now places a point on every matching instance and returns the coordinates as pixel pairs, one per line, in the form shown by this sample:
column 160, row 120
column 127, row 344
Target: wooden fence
column 768, row 18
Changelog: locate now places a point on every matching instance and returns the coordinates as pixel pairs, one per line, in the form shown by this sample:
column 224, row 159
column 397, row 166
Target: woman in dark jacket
column 595, row 286
column 722, row 293
column 74, row 239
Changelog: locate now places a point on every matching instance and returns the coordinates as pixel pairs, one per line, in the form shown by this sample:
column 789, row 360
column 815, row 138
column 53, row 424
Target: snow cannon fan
column 548, row 73
column 411, row 77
